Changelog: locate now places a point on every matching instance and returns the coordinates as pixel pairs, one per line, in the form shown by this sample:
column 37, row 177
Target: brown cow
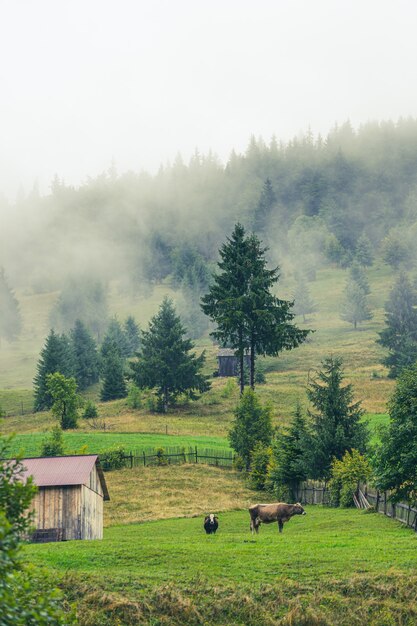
column 278, row 512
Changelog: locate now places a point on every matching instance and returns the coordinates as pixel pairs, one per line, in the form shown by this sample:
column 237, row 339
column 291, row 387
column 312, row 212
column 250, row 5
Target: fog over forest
column 309, row 200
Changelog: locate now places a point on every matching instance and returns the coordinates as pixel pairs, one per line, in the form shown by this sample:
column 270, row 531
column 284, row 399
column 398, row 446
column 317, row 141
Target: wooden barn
column 69, row 501
column 229, row 362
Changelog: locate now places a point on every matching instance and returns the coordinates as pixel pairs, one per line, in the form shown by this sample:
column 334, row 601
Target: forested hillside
column 309, row 200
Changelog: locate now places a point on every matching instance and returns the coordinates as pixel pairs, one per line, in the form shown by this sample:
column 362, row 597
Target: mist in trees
column 10, row 316
column 333, row 194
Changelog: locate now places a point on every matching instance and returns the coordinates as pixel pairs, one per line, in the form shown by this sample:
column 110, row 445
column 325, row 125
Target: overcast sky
column 87, row 81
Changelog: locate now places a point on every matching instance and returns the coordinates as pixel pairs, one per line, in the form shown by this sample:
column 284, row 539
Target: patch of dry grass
column 153, row 493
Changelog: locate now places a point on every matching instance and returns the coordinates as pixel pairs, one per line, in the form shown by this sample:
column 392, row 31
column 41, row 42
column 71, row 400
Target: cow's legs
column 280, row 525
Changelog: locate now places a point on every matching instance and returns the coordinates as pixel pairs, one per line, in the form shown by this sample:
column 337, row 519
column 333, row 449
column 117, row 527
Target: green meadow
column 311, row 573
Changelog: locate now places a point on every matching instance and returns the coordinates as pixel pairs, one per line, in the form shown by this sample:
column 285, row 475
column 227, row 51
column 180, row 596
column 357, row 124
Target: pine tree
column 165, row 361
column 336, row 422
column 248, row 316
column 115, row 337
column 363, row 253
column 303, row 303
column 400, row 333
column 55, row 356
column 289, row 455
column 395, row 460
column 85, row 356
column 264, row 208
column 252, row 425
column 357, row 274
column 355, row 308
column 10, row 317
column 132, row 336
column 114, row 383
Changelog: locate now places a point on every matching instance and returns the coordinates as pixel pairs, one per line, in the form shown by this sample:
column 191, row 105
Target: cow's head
column 298, row 509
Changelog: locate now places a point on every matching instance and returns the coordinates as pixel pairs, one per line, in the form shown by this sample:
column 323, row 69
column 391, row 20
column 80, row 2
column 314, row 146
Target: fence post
column 377, row 501
column 196, row 455
column 131, row 460
column 144, row 458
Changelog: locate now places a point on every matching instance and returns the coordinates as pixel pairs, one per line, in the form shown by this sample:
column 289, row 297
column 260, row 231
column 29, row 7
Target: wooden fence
column 176, row 455
column 314, row 492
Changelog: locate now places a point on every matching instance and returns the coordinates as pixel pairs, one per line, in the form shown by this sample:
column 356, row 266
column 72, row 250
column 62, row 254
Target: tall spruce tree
column 400, row 333
column 336, row 424
column 363, row 253
column 357, row 274
column 289, row 455
column 132, row 336
column 85, row 353
column 395, row 460
column 303, row 302
column 165, row 361
column 55, row 356
column 10, row 316
column 355, row 308
column 264, row 208
column 114, row 382
column 115, row 337
column 248, row 317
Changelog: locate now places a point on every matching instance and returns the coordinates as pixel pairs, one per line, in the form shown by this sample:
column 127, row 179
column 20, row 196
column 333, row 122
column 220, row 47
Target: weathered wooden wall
column 77, row 509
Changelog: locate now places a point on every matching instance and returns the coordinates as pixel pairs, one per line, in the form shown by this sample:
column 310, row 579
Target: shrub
column 90, row 411
column 229, row 389
column 161, row 459
column 345, row 476
column 134, row 397
column 54, row 444
column 260, row 461
column 114, row 458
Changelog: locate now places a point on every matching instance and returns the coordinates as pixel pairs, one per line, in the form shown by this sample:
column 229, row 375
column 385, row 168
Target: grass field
column 319, row 562
column 94, row 443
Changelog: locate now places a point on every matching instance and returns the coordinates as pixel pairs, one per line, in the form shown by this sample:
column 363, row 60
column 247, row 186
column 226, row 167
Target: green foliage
column 56, row 356
column 400, row 333
column 65, row 401
column 364, row 252
column 113, row 459
column 395, row 459
column 260, row 461
column 346, row 474
column 86, row 363
column 229, row 389
column 165, row 362
column 114, row 383
column 336, row 424
column 90, row 410
column 134, row 397
column 54, row 444
column 251, row 425
column 132, row 336
column 289, row 456
column 262, row 213
column 26, row 599
column 303, row 303
column 82, row 298
column 10, row 316
column 248, row 317
column 358, row 275
column 115, row 338
column 396, row 250
column 355, row 308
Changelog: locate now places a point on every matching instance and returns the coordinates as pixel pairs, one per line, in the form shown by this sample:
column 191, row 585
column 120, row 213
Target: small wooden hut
column 69, row 501
column 229, row 362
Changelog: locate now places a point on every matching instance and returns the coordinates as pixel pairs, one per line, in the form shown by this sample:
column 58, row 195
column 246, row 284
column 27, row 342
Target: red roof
column 57, row 471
